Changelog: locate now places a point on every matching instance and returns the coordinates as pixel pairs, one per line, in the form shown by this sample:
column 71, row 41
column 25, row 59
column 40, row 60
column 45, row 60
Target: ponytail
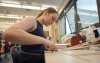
column 50, row 10
column 39, row 13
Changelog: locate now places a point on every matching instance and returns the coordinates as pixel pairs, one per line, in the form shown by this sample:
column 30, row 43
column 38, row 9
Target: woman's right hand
column 50, row 46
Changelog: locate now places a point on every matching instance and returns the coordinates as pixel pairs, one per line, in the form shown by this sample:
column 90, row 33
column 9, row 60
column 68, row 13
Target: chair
column 1, row 54
column 15, row 53
column 6, row 51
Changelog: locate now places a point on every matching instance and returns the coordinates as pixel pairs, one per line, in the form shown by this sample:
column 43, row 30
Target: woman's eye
column 52, row 18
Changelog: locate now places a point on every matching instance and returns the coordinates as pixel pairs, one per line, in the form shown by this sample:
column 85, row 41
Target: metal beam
column 67, row 8
column 98, row 6
column 75, row 17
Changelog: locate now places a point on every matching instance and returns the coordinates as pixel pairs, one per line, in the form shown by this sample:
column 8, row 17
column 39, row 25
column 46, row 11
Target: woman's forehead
column 55, row 15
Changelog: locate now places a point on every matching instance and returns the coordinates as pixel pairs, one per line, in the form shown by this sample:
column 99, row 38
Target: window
column 98, row 30
column 67, row 27
column 70, row 19
column 87, row 11
column 62, row 26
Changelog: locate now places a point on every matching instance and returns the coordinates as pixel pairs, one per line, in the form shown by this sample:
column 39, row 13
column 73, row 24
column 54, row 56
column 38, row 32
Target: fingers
column 51, row 48
column 55, row 49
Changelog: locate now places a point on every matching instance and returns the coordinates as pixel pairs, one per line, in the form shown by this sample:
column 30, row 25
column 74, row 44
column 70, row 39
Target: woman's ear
column 46, row 12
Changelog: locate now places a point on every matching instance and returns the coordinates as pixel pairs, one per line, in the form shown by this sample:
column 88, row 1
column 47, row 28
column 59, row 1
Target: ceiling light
column 42, row 8
column 13, row 15
column 30, row 7
column 10, row 5
column 2, row 16
column 23, row 6
column 13, row 2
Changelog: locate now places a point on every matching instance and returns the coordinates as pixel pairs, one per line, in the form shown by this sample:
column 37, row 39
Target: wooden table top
column 73, row 56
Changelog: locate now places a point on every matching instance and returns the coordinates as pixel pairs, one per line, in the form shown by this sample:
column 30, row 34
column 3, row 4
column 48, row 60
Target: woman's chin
column 46, row 24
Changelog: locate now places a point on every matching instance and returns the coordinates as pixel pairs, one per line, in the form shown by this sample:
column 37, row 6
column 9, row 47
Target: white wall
column 3, row 26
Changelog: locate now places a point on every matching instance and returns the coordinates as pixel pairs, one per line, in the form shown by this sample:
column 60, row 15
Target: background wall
column 3, row 26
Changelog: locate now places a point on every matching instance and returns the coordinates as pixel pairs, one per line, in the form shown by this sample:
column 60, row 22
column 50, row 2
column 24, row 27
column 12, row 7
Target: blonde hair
column 50, row 10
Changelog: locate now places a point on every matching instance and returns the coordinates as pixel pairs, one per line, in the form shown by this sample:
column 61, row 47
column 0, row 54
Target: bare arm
column 17, row 33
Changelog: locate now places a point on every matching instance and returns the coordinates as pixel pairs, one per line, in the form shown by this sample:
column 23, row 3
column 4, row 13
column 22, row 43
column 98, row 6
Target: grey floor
column 6, row 59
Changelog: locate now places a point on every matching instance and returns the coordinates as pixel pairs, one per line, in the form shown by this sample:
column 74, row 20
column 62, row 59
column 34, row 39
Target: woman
column 34, row 42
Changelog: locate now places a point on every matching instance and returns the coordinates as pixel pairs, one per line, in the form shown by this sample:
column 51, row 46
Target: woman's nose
column 51, row 22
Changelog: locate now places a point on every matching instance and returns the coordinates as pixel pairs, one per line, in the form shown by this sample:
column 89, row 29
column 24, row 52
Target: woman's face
column 50, row 18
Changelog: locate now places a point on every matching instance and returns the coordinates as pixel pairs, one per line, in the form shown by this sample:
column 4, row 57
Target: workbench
column 72, row 56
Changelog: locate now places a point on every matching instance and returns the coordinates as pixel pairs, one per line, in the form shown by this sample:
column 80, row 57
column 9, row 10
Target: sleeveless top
column 37, row 48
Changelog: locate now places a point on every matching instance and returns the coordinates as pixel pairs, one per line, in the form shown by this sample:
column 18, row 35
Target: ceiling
column 23, row 11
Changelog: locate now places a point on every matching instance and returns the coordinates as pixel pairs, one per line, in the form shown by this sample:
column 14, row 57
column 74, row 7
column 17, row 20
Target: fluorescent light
column 13, row 2
column 10, row 5
column 19, row 6
column 2, row 16
column 23, row 6
column 13, row 15
column 42, row 8
column 30, row 7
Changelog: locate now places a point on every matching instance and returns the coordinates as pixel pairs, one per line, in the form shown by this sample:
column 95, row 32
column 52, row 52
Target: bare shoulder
column 25, row 24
